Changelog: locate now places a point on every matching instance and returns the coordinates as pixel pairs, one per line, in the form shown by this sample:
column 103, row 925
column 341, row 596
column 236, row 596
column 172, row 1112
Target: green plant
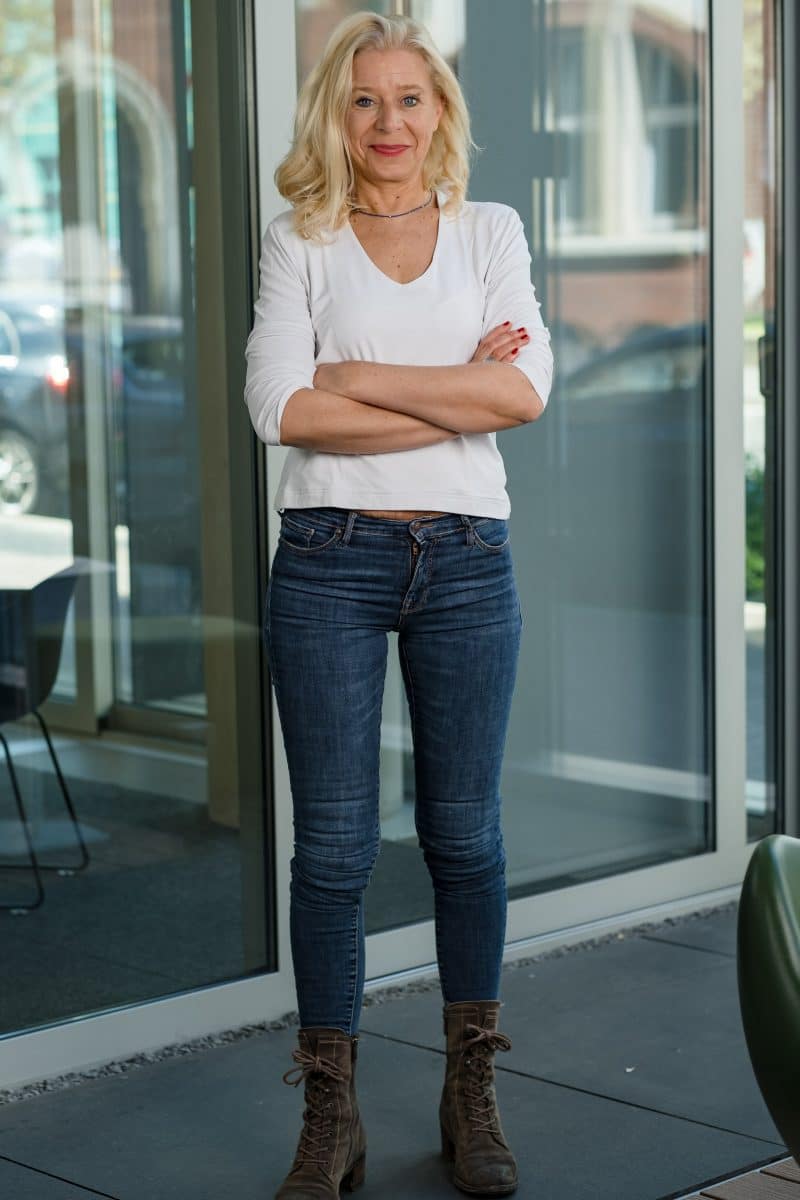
column 754, row 527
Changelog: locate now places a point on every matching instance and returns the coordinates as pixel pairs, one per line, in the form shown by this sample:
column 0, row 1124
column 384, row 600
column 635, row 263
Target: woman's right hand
column 501, row 344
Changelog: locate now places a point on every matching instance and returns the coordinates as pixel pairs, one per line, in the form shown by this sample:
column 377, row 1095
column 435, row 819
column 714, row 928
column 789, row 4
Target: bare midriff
column 406, row 514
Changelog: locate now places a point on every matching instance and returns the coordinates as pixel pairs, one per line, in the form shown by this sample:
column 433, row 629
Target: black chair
column 31, row 636
column 768, row 968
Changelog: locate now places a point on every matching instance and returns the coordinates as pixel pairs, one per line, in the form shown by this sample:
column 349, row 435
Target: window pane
column 315, row 20
column 112, row 455
column 607, row 760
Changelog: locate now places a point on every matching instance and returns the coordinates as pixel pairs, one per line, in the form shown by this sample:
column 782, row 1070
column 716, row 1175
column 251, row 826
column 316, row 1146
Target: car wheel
column 19, row 474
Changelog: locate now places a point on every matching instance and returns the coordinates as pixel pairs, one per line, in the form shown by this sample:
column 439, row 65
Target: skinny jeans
column 339, row 581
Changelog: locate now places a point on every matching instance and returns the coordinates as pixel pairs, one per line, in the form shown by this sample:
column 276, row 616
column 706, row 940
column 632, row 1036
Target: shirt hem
column 456, row 502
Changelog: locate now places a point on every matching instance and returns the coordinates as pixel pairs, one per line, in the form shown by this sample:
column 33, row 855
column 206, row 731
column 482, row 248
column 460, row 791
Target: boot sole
column 449, row 1153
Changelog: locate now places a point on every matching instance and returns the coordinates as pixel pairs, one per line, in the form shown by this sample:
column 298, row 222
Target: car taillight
column 57, row 374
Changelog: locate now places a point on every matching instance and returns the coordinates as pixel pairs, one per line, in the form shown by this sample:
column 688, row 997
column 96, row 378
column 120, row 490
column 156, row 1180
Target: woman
column 396, row 330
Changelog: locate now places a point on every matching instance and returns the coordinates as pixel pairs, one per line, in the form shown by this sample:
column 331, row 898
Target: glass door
column 608, row 766
column 127, row 461
column 623, row 787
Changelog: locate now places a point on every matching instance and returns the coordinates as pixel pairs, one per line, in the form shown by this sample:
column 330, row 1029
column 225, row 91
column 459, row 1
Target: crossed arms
column 363, row 407
column 370, row 408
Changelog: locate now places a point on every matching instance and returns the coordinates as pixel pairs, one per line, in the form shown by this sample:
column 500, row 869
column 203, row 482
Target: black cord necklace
column 402, row 214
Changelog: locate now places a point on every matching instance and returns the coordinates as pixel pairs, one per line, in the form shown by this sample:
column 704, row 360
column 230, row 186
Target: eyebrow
column 405, row 87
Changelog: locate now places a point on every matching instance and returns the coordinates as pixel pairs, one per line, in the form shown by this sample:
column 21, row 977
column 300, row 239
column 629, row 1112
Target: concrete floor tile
column 222, row 1124
column 716, row 932
column 21, row 1183
column 648, row 1022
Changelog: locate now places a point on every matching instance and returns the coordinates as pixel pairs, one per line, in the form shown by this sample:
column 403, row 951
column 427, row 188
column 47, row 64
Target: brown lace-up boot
column 472, row 1136
column 333, row 1145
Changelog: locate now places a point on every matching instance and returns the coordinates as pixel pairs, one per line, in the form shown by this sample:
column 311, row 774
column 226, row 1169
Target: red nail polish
column 506, row 323
column 514, row 351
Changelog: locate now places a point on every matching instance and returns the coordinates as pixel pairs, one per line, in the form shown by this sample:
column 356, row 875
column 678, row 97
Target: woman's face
column 392, row 103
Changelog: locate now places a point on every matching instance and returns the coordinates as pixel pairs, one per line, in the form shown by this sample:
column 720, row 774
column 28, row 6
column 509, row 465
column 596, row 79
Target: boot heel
column 448, row 1149
column 355, row 1176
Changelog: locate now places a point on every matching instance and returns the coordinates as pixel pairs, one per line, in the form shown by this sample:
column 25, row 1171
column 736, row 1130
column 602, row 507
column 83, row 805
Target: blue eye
column 369, row 101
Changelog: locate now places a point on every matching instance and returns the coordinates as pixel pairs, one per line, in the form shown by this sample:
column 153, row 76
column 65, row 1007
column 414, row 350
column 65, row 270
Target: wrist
column 350, row 378
column 333, row 377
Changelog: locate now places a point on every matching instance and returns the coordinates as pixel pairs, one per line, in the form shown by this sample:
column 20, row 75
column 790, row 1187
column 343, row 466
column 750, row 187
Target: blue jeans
column 339, row 581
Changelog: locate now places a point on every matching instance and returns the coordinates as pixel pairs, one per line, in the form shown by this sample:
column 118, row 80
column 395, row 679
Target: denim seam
column 417, row 798
column 401, row 527
column 383, row 533
column 265, row 624
column 311, row 549
column 420, row 574
column 487, row 546
column 354, row 977
column 393, row 533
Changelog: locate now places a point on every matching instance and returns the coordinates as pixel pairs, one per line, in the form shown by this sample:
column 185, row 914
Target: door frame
column 587, row 909
column 788, row 383
column 564, row 916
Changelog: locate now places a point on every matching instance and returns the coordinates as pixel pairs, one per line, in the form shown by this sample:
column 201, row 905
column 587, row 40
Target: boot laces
column 478, row 1088
column 317, row 1120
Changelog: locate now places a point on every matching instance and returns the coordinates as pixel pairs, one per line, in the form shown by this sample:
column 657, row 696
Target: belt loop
column 470, row 537
column 348, row 526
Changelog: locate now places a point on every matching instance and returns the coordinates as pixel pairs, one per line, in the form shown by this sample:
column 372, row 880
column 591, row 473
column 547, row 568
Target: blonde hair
column 317, row 175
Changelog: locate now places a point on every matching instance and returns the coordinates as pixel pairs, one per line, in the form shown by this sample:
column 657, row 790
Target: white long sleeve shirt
column 331, row 303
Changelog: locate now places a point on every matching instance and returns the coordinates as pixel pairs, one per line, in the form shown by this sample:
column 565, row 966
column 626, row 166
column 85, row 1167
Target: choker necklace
column 402, row 214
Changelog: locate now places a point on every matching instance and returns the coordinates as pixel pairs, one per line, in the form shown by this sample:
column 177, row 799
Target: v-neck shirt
column 331, row 303
column 397, row 282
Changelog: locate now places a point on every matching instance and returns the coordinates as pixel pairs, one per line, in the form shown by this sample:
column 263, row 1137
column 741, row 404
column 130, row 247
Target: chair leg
column 68, row 802
column 34, row 865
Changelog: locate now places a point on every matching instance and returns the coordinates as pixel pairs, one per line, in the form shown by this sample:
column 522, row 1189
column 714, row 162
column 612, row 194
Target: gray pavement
column 628, row 1079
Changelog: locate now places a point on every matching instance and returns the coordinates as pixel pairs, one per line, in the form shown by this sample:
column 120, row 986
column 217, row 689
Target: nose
column 388, row 118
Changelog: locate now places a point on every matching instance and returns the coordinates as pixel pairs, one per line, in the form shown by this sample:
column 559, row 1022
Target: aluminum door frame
column 589, row 909
column 560, row 917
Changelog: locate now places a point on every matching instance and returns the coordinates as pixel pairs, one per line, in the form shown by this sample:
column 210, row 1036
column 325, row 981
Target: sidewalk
column 628, row 1080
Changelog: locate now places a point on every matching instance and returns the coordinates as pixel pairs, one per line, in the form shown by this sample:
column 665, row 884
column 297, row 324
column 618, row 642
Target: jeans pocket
column 494, row 535
column 300, row 534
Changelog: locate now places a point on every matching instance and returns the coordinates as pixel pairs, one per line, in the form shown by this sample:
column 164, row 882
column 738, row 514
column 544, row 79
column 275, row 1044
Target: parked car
column 44, row 370
column 34, row 380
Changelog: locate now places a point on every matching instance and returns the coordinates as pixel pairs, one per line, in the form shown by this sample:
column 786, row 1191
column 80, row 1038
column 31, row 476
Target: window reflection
column 104, row 554
column 591, row 120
